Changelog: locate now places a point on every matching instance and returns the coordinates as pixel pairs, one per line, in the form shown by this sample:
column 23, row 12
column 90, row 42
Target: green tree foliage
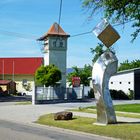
column 84, row 74
column 97, row 51
column 119, row 11
column 129, row 65
column 47, row 75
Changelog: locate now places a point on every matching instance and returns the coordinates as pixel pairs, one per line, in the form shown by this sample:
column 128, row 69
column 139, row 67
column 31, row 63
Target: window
column 120, row 82
column 54, row 43
column 129, row 82
column 61, row 44
column 24, row 82
column 111, row 82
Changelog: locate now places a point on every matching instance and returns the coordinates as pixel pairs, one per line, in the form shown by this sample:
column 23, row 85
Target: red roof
column 54, row 30
column 19, row 65
column 5, row 82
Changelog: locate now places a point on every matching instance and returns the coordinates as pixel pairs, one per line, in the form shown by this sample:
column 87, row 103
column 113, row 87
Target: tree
column 47, row 75
column 99, row 50
column 119, row 11
column 126, row 65
column 84, row 74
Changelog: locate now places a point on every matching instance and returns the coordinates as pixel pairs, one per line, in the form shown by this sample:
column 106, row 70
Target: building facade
column 128, row 80
column 21, row 71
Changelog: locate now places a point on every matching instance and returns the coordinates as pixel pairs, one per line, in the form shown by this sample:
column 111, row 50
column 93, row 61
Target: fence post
column 82, row 91
column 49, row 93
column 34, row 95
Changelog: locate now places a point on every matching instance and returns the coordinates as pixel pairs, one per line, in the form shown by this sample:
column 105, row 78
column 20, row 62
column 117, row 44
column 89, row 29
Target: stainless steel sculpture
column 103, row 69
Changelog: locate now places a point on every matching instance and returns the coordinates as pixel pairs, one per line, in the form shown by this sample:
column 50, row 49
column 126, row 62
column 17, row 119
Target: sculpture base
column 102, row 124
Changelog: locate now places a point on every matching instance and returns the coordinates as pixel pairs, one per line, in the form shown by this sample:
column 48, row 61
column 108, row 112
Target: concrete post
column 33, row 95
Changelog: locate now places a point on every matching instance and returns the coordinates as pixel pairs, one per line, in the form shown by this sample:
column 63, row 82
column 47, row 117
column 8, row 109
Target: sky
column 23, row 21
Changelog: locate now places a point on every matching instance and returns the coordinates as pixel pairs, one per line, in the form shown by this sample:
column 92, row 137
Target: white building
column 127, row 80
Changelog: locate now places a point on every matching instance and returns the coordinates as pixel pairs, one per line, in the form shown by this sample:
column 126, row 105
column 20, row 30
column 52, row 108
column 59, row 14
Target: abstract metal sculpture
column 103, row 69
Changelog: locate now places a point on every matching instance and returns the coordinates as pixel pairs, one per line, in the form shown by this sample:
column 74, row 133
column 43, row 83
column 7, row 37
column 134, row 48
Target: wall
column 59, row 59
column 19, row 81
column 122, row 81
column 56, row 54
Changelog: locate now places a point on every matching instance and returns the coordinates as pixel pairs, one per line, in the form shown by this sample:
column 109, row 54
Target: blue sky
column 32, row 18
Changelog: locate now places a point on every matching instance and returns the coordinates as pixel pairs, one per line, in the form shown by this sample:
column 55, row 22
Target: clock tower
column 55, row 49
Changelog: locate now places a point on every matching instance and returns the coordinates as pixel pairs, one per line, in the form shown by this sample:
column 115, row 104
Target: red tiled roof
column 54, row 30
column 4, row 82
column 19, row 65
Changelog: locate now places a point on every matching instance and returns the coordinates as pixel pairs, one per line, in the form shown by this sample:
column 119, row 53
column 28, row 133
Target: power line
column 33, row 37
column 84, row 33
column 19, row 35
column 60, row 12
column 88, row 32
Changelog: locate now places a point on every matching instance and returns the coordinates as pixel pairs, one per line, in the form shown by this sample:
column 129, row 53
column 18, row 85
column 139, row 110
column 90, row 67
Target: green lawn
column 135, row 108
column 124, row 131
column 126, row 109
column 124, row 114
column 24, row 103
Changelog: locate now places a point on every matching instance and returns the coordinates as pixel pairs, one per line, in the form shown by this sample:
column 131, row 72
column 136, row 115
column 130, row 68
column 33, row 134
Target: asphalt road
column 16, row 122
column 15, row 131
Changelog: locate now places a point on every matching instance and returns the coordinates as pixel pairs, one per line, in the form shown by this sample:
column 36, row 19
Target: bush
column 91, row 93
column 118, row 95
column 131, row 94
column 115, row 95
column 4, row 94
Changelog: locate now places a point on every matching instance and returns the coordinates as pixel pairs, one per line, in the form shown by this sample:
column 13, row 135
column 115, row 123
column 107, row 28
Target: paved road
column 18, row 122
column 15, row 131
column 30, row 113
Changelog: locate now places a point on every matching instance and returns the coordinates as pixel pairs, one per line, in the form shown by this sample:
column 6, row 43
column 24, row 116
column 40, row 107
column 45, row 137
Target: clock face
column 58, row 43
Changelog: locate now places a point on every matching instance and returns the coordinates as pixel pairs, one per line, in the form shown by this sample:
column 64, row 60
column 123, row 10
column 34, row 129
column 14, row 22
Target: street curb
column 62, row 130
column 73, row 132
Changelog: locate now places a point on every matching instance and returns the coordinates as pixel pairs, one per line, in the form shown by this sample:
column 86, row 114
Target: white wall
column 122, row 81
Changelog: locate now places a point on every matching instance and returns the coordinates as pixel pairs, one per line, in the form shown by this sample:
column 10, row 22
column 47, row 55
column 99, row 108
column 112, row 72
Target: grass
column 128, row 115
column 135, row 108
column 124, row 131
column 24, row 103
column 124, row 114
column 126, row 109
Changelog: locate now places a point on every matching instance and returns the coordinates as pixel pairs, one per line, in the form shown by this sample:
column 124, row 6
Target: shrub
column 115, row 95
column 131, row 94
column 91, row 93
column 118, row 94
